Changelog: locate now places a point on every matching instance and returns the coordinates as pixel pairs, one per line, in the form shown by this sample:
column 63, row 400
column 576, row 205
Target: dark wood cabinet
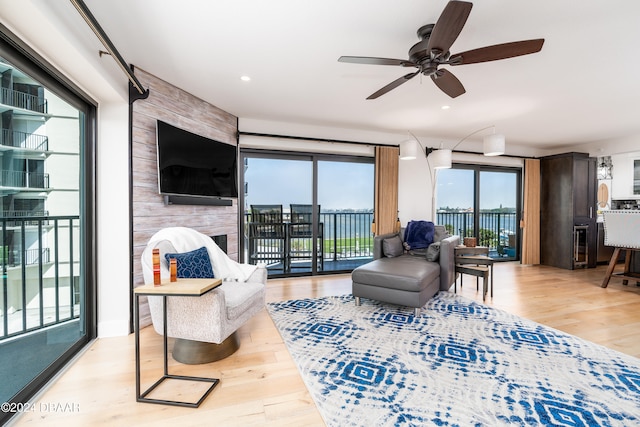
column 568, row 232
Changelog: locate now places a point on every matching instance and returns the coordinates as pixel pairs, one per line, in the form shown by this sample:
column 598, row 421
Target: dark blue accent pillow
column 193, row 265
column 419, row 234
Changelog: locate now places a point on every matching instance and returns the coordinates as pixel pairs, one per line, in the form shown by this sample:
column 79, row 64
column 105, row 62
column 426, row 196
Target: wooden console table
column 476, row 262
column 185, row 288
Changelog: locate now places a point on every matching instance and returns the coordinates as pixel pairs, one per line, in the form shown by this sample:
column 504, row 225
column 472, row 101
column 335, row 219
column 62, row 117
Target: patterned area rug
column 458, row 364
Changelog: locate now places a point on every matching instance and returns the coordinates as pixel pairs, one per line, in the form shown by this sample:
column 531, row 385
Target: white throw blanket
column 186, row 239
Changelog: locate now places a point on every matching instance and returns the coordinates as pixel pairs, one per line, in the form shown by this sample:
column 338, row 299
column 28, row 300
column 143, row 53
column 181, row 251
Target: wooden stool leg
column 627, row 264
column 612, row 266
column 484, row 285
column 492, row 280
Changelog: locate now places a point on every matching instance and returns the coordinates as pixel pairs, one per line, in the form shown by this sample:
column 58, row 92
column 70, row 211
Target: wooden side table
column 476, row 262
column 185, row 288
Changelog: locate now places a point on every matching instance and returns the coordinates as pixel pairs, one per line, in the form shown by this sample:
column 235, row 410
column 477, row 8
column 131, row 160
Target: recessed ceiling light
column 245, row 78
column 445, row 107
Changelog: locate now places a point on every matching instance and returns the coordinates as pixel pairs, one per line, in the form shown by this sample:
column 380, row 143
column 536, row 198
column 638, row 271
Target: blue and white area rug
column 458, row 364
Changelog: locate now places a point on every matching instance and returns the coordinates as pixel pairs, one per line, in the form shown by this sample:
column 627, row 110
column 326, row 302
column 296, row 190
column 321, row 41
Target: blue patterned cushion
column 193, row 265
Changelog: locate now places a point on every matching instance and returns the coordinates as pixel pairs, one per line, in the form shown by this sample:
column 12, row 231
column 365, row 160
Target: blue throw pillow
column 419, row 234
column 193, row 265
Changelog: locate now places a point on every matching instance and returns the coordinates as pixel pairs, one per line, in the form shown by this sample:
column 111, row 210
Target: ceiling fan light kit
column 433, row 51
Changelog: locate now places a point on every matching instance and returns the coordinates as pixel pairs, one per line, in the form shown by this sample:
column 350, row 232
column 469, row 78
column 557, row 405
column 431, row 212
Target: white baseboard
column 113, row 329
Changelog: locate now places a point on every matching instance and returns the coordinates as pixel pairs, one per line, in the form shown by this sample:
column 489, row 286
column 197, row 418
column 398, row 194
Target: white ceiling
column 583, row 86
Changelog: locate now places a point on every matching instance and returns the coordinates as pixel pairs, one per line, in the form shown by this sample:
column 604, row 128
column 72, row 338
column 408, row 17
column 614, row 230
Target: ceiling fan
column 433, row 50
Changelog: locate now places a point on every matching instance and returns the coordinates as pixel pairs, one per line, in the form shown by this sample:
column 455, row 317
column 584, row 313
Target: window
column 482, row 202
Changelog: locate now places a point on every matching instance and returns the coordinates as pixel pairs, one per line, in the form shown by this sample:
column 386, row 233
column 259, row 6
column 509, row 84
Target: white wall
column 113, row 219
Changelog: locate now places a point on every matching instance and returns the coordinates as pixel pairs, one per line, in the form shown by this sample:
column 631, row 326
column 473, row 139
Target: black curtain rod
column 92, row 22
column 501, row 155
column 302, row 138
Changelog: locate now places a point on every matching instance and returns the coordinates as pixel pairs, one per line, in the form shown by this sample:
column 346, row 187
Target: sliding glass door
column 273, row 188
column 482, row 202
column 46, row 298
column 306, row 213
column 345, row 192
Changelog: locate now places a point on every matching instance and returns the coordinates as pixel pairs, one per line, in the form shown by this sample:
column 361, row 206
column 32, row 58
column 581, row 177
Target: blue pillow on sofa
column 193, row 265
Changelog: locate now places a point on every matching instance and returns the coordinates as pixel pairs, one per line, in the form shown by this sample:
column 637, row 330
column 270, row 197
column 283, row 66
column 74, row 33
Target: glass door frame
column 28, row 61
column 246, row 153
column 314, row 158
column 477, row 169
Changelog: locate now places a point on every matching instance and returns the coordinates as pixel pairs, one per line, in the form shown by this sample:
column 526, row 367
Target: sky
column 456, row 188
column 350, row 185
column 341, row 185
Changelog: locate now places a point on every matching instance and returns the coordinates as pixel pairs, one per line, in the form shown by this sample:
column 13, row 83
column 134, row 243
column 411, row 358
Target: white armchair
column 204, row 327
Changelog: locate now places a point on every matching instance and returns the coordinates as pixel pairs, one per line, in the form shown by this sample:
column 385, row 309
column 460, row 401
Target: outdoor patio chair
column 300, row 235
column 267, row 237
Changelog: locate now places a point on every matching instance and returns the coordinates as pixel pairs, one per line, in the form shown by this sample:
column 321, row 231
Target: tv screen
column 190, row 164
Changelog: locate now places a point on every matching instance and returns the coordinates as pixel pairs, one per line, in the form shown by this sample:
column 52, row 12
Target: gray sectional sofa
column 403, row 277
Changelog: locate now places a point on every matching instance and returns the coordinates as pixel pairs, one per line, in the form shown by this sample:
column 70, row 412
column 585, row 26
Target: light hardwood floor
column 260, row 384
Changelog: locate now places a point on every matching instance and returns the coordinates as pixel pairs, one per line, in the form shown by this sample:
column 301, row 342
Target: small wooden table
column 185, row 288
column 477, row 262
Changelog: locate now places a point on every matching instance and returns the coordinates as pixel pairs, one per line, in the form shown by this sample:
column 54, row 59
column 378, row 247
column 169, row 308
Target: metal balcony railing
column 497, row 230
column 345, row 235
column 31, row 308
column 17, row 218
column 23, row 100
column 21, row 179
column 18, row 139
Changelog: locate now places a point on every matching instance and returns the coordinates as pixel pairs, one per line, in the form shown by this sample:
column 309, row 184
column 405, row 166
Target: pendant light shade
column 493, row 144
column 409, row 149
column 440, row 159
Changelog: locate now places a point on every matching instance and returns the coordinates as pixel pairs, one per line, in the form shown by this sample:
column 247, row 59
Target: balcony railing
column 345, row 236
column 26, row 140
column 21, row 179
column 497, row 229
column 23, row 100
column 17, row 218
column 30, row 302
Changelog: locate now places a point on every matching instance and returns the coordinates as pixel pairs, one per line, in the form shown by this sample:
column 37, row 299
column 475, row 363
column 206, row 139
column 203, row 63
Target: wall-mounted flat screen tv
column 192, row 165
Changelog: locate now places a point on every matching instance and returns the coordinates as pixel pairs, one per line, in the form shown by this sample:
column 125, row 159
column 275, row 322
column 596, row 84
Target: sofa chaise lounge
column 401, row 277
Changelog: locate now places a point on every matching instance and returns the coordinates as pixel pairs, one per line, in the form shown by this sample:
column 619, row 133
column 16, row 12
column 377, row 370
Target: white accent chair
column 205, row 326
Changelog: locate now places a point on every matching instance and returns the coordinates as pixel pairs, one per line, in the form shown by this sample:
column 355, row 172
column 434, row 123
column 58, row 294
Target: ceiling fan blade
column 394, row 84
column 376, row 61
column 496, row 52
column 449, row 25
column 448, row 83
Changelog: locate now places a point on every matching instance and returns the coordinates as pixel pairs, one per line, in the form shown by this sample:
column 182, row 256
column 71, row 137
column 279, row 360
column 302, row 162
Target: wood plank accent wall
column 149, row 213
column 386, row 190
